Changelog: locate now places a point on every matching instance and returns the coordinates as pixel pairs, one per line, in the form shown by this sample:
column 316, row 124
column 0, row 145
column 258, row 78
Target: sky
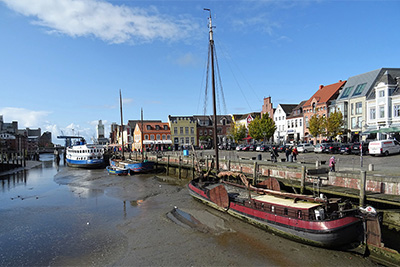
column 63, row 62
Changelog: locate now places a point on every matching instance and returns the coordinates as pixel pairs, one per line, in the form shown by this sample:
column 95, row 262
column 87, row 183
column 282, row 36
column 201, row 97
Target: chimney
column 321, row 86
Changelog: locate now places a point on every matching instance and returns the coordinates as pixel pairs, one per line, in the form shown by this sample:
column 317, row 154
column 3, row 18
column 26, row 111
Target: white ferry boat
column 84, row 155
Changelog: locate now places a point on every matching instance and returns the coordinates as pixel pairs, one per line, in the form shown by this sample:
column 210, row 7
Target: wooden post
column 255, row 173
column 180, row 167
column 167, row 165
column 193, row 167
column 303, row 179
column 229, row 165
column 363, row 181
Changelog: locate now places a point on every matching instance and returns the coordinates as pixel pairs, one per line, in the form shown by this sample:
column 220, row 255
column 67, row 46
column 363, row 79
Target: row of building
column 13, row 139
column 368, row 102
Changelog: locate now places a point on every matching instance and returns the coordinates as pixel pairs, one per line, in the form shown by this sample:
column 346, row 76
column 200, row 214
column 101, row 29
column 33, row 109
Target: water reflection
column 13, row 180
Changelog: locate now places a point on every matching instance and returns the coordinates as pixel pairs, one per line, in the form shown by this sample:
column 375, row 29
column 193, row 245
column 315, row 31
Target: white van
column 383, row 147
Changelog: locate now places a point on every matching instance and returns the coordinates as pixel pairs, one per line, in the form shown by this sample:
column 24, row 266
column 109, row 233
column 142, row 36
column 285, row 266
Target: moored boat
column 82, row 155
column 133, row 165
column 317, row 221
column 117, row 171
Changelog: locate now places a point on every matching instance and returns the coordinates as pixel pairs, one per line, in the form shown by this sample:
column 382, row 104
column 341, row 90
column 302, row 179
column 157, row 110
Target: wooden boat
column 133, row 165
column 317, row 221
column 117, row 171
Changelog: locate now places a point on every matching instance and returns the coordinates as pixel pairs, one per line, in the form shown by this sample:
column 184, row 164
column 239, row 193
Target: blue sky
column 63, row 62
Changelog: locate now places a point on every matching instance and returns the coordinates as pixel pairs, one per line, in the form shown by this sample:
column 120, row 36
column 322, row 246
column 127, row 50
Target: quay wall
column 376, row 183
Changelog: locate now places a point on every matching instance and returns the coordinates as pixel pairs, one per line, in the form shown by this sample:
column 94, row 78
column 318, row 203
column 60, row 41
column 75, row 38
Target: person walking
column 288, row 151
column 294, row 153
column 332, row 163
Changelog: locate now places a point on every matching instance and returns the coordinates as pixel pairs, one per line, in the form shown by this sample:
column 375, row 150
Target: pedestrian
column 332, row 163
column 288, row 151
column 273, row 158
column 294, row 153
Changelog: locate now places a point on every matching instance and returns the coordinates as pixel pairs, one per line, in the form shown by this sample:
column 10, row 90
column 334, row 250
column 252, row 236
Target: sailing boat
column 313, row 220
column 134, row 166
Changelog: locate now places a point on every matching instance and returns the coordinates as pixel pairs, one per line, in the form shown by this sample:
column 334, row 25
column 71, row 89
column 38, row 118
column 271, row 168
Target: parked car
column 231, row 146
column 305, row 147
column 345, row 149
column 356, row 148
column 282, row 148
column 262, row 148
column 252, row 147
column 246, row 148
column 320, row 148
column 239, row 147
column 384, row 147
column 332, row 148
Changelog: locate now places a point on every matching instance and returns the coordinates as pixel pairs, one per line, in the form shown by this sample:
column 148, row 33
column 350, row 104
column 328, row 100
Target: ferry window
column 273, row 209
column 299, row 215
column 285, row 211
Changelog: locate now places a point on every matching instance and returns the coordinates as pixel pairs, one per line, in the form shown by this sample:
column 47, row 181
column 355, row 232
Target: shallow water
column 55, row 215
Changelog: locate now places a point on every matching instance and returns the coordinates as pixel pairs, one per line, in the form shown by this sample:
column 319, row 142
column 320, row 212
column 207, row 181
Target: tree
column 334, row 124
column 316, row 125
column 262, row 128
column 237, row 132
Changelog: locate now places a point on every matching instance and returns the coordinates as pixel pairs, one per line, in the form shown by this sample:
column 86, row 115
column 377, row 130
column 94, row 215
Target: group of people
column 289, row 151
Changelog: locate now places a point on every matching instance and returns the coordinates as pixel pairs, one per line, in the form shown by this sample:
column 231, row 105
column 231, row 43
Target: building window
column 158, row 137
column 352, row 108
column 186, row 130
column 381, row 112
column 359, row 108
column 359, row 89
column 381, row 93
column 164, row 137
column 347, row 91
column 146, row 137
column 181, row 130
column 300, row 122
column 192, row 140
column 372, row 113
column 175, row 130
column 148, row 127
column 205, row 132
column 157, row 127
column 152, row 136
column 187, row 140
column 396, row 111
column 168, row 137
column 353, row 122
column 191, row 130
column 200, row 132
column 166, row 127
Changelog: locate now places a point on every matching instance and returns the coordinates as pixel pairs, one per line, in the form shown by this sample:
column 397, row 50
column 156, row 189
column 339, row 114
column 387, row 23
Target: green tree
column 334, row 124
column 237, row 132
column 262, row 128
column 317, row 125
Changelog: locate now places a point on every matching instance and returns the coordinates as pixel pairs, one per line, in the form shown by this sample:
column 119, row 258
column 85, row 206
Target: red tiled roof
column 325, row 93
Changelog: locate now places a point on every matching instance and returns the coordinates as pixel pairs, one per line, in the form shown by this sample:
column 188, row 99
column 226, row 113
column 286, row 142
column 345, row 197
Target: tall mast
column 122, row 125
column 215, row 135
column 141, row 118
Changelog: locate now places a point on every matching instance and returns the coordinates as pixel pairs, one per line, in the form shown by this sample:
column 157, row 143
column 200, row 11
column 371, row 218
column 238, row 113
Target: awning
column 161, row 142
column 389, row 130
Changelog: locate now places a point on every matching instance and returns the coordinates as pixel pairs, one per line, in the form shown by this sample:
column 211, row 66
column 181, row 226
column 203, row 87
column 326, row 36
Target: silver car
column 304, row 148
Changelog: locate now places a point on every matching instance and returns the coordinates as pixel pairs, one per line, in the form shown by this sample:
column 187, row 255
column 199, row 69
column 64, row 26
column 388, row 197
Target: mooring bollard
column 371, row 167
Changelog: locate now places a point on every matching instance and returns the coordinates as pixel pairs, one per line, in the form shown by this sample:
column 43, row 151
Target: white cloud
column 25, row 117
column 103, row 20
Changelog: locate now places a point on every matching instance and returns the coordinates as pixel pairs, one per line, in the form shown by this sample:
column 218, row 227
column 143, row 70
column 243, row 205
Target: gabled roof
column 244, row 116
column 325, row 93
column 293, row 114
column 153, row 126
column 388, row 76
column 288, row 108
